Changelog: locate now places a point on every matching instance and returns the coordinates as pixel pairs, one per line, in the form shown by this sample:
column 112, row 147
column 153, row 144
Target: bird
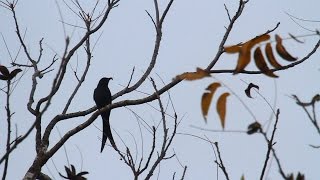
column 102, row 97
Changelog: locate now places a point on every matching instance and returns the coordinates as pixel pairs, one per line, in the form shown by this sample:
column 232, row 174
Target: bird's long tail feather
column 106, row 131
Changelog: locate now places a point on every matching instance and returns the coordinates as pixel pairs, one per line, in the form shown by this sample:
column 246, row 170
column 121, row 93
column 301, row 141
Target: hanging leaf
column 206, row 99
column 244, row 58
column 295, row 38
column 253, row 128
column 282, row 51
column 248, row 90
column 271, row 58
column 221, row 108
column 190, row 76
column 261, row 63
column 205, row 104
column 245, row 51
column 213, row 87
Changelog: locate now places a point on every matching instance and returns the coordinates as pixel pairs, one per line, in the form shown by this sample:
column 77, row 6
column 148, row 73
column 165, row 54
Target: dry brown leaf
column 253, row 128
column 244, row 58
column 221, row 108
column 248, row 90
column 259, row 39
column 245, row 52
column 271, row 58
column 205, row 104
column 213, row 87
column 232, row 49
column 190, row 76
column 261, row 63
column 206, row 99
column 282, row 50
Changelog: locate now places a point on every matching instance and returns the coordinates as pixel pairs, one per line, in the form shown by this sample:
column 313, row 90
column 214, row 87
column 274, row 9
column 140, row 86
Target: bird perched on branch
column 102, row 97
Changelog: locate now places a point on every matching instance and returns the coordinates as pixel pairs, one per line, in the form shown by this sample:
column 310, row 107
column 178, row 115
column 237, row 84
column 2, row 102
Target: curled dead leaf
column 248, row 89
column 190, row 76
column 261, row 63
column 282, row 50
column 253, row 128
column 271, row 58
column 222, row 107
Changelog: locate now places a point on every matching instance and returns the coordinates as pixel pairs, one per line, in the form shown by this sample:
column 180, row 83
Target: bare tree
column 93, row 23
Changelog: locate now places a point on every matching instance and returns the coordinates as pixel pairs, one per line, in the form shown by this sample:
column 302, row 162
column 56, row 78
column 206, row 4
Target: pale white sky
column 191, row 34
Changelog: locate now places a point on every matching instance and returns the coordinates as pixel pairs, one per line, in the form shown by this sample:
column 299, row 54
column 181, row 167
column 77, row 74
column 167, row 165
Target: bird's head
column 104, row 81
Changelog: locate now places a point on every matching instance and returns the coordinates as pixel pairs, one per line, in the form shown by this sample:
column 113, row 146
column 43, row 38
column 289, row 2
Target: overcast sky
column 191, row 35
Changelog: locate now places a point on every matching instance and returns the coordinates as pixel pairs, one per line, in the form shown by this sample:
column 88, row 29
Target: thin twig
column 270, row 145
column 220, row 164
column 6, row 164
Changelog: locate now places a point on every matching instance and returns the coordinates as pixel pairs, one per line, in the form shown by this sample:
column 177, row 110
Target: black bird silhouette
column 102, row 97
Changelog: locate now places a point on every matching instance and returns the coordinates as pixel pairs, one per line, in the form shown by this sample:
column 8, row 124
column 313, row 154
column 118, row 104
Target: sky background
column 191, row 34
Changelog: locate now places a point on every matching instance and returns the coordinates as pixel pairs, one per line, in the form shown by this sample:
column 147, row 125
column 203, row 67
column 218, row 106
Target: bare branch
column 226, row 35
column 220, row 164
column 6, row 164
column 270, row 144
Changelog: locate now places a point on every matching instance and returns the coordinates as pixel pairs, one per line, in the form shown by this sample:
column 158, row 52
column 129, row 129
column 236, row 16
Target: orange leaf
column 232, row 49
column 245, row 51
column 259, row 39
column 244, row 58
column 271, row 57
column 221, row 108
column 282, row 51
column 206, row 99
column 205, row 104
column 213, row 87
column 190, row 76
column 261, row 63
